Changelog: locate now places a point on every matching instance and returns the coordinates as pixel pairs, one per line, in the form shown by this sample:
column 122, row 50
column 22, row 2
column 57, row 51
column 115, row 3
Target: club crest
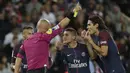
column 83, row 54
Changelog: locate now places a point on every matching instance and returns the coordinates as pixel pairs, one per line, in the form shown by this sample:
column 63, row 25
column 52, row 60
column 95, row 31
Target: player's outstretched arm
column 17, row 65
column 70, row 16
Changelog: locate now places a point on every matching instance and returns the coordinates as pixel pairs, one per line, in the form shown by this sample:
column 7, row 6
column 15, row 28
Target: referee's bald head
column 43, row 25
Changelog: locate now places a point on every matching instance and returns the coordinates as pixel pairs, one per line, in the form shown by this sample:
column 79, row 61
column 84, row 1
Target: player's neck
column 97, row 33
column 73, row 44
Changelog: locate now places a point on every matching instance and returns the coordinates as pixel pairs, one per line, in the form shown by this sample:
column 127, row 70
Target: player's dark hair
column 27, row 27
column 98, row 20
column 72, row 30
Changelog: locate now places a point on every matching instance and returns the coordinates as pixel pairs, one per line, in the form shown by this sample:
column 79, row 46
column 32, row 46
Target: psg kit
column 112, row 62
column 75, row 59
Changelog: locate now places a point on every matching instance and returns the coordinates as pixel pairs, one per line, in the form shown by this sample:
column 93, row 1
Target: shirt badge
column 83, row 54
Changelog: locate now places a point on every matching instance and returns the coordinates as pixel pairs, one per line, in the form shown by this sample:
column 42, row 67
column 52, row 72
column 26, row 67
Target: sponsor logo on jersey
column 77, row 64
column 103, row 42
column 80, row 65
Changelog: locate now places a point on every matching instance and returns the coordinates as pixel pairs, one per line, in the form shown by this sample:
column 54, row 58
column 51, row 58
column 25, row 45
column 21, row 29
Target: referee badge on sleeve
column 49, row 31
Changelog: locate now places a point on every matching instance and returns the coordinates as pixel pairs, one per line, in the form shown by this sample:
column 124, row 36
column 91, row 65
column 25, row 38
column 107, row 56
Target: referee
column 22, row 62
column 37, row 46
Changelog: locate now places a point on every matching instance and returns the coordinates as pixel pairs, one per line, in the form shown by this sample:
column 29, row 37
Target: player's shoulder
column 81, row 44
column 82, row 47
column 104, row 33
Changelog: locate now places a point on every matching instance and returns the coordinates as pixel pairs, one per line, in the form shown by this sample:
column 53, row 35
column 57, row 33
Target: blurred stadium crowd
column 15, row 14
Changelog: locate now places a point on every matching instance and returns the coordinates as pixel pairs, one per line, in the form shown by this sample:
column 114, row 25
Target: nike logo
column 68, row 54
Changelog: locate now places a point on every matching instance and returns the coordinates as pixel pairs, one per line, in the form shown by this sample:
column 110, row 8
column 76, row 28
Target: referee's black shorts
column 39, row 70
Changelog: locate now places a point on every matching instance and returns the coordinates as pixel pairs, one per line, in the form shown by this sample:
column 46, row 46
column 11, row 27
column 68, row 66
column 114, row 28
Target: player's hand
column 59, row 45
column 12, row 67
column 77, row 8
column 88, row 37
column 83, row 33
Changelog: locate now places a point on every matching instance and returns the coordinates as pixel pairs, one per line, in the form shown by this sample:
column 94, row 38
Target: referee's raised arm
column 63, row 23
column 70, row 16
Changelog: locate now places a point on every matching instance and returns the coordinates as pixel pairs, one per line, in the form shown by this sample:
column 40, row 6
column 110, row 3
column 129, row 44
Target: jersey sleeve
column 14, row 55
column 21, row 52
column 104, row 37
column 51, row 33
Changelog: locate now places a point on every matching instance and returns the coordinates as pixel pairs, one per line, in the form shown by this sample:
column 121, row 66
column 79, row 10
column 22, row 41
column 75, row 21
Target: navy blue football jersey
column 76, row 59
column 112, row 62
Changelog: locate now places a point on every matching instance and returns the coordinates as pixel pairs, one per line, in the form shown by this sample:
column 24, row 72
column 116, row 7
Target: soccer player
column 102, row 42
column 21, row 62
column 73, row 54
column 37, row 46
